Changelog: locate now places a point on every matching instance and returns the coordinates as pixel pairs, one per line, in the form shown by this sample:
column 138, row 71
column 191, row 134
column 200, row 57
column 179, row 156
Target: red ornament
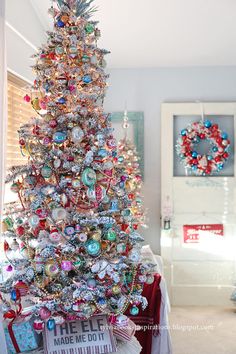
column 36, row 130
column 22, row 287
column 22, row 142
column 20, row 230
column 53, row 123
column 27, row 98
column 225, row 155
column 202, row 136
column 6, row 246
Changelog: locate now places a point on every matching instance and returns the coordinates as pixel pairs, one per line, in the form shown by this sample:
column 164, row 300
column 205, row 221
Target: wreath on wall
column 189, row 140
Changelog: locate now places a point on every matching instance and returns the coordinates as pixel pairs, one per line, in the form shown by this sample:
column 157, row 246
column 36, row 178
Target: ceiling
column 154, row 33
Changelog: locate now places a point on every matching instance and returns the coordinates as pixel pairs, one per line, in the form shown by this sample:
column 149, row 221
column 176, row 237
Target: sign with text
column 81, row 337
column 192, row 233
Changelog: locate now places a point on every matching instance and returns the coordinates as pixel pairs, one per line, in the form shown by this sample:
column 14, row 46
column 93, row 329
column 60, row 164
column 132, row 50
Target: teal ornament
column 89, row 177
column 121, row 158
column 59, row 50
column 89, row 28
column 46, row 171
column 194, row 154
column 215, row 149
column 134, row 311
column 87, row 79
column 51, row 324
column 59, row 137
column 183, row 132
column 207, row 124
column 111, row 235
column 209, row 157
column 221, row 166
column 79, row 262
column 121, row 247
column 93, row 247
column 224, row 136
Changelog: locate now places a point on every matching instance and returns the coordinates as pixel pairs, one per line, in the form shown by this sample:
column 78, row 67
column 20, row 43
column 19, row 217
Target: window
column 19, row 112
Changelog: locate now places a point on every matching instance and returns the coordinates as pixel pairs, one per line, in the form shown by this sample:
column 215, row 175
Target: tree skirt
column 132, row 347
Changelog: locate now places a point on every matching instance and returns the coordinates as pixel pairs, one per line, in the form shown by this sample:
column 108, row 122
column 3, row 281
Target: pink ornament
column 27, row 98
column 53, row 123
column 71, row 88
column 123, row 178
column 47, row 141
column 9, row 268
column 66, row 265
column 44, row 313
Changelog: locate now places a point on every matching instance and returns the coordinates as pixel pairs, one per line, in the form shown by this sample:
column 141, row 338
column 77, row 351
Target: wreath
column 192, row 136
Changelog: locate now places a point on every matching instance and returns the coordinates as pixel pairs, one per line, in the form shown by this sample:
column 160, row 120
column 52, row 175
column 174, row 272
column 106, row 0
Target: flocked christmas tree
column 72, row 242
column 128, row 162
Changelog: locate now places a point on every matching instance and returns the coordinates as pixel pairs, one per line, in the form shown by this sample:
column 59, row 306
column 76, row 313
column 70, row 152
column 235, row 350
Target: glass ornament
column 93, row 247
column 134, row 311
column 69, row 230
column 51, row 268
column 111, row 235
column 77, row 134
column 87, row 79
column 51, row 324
column 59, row 214
column 89, row 28
column 59, row 137
column 89, row 177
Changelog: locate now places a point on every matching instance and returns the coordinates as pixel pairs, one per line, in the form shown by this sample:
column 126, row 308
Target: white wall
column 145, row 90
column 24, row 32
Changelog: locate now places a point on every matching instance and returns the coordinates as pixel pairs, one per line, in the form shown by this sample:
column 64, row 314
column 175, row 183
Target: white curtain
column 3, row 130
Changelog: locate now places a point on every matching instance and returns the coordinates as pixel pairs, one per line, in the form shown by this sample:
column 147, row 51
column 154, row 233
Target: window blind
column 19, row 112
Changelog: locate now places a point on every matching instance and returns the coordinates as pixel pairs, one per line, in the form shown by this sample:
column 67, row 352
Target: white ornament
column 77, row 134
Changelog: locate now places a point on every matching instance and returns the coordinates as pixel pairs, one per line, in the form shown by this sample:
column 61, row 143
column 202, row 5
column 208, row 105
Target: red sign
column 192, row 232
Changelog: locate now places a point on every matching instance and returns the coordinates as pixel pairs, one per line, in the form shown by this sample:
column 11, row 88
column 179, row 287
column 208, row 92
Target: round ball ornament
column 77, row 135
column 22, row 287
column 59, row 137
column 190, row 139
column 89, row 177
column 51, row 269
column 93, row 247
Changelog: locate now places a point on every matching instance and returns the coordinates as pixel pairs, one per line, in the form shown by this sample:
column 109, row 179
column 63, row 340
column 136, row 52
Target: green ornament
column 46, row 171
column 129, row 277
column 89, row 28
column 89, row 177
column 121, row 247
column 9, row 223
column 79, row 262
column 93, row 247
column 111, row 235
column 85, row 58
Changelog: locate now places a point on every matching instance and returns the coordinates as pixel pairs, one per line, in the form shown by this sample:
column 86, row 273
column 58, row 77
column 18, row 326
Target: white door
column 200, row 269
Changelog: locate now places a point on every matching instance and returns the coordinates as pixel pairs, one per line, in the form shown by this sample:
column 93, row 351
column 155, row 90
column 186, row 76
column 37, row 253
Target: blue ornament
column 121, row 184
column 121, row 158
column 62, row 100
column 183, row 132
column 114, row 205
column 102, row 153
column 134, row 311
column 194, row 167
column 194, row 154
column 220, row 166
column 114, row 153
column 93, row 247
column 13, row 295
column 69, row 230
column 209, row 157
column 101, row 301
column 224, row 136
column 87, row 79
column 60, row 23
column 51, row 324
column 207, row 124
column 215, row 149
column 59, row 137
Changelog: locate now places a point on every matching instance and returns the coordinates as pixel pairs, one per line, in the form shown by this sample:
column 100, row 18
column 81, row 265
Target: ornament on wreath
column 203, row 164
